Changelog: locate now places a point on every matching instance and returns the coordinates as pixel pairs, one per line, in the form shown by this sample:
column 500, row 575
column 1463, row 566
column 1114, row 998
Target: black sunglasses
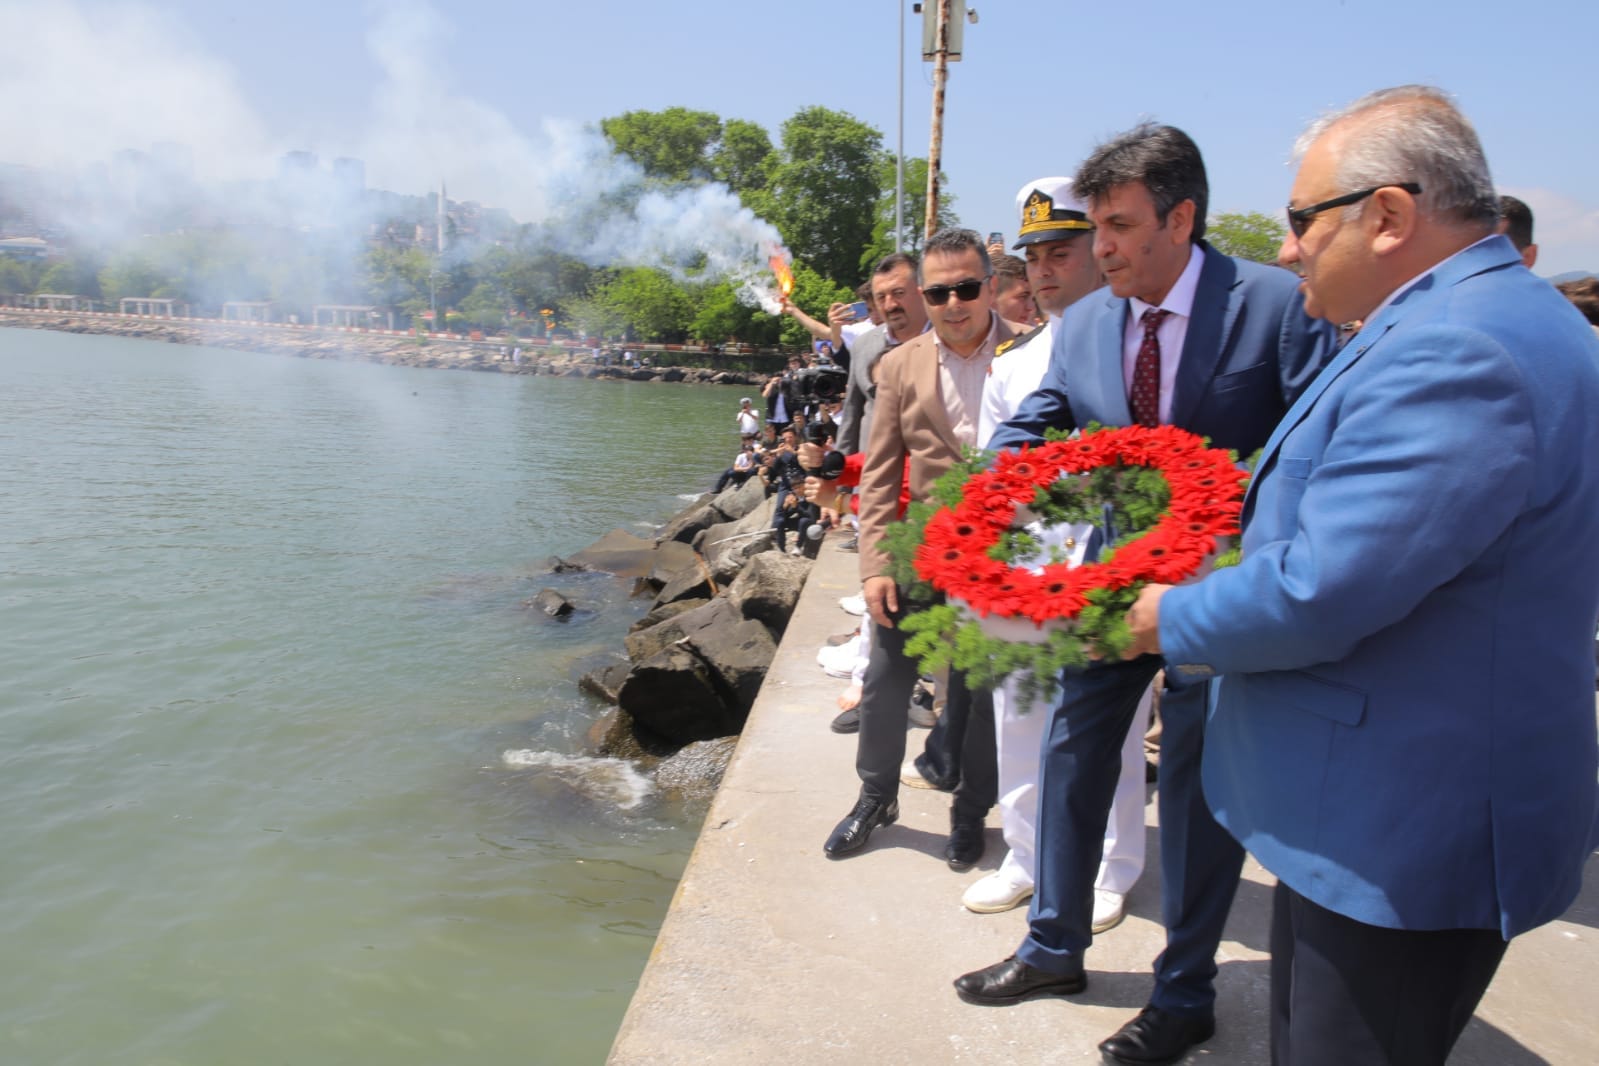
column 938, row 295
column 1299, row 217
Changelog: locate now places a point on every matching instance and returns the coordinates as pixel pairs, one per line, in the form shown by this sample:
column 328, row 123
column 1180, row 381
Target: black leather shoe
column 1013, row 980
column 856, row 828
column 965, row 845
column 1157, row 1036
column 847, row 722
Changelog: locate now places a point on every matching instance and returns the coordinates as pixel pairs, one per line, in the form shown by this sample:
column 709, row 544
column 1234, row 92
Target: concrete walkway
column 771, row 953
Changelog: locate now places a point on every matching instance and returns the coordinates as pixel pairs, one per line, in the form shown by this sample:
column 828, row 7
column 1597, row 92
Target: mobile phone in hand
column 860, row 310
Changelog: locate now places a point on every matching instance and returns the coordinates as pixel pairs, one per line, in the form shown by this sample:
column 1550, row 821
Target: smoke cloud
column 132, row 77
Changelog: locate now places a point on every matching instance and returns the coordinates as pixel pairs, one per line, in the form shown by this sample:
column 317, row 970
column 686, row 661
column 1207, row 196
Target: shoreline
column 382, row 347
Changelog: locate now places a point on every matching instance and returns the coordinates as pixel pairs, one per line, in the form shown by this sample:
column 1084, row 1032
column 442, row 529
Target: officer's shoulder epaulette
column 1017, row 341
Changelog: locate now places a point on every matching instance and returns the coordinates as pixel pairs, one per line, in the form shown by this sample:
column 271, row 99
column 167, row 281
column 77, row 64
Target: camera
column 820, row 384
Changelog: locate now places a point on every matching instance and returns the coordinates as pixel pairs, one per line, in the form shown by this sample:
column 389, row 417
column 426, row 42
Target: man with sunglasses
column 1404, row 734
column 929, row 391
column 1221, row 347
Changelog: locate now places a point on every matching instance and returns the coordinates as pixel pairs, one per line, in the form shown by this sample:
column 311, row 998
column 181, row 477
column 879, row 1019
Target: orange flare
column 785, row 277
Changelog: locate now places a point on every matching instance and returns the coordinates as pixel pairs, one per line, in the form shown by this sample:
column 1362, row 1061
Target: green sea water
column 288, row 771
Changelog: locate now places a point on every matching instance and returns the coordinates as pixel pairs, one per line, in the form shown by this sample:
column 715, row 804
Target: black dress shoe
column 847, row 722
column 1157, row 1036
column 1013, row 980
column 856, row 828
column 965, row 845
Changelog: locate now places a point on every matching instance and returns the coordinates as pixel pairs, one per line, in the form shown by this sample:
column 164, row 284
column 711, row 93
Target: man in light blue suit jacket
column 1405, row 730
column 1232, row 349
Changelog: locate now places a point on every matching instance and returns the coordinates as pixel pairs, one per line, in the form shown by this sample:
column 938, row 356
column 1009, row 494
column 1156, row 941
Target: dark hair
column 1163, row 159
column 1009, row 269
column 1584, row 292
column 1517, row 217
column 952, row 240
column 863, row 291
column 892, row 262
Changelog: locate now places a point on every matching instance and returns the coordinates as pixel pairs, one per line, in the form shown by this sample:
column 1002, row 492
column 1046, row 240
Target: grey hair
column 952, row 240
column 1411, row 133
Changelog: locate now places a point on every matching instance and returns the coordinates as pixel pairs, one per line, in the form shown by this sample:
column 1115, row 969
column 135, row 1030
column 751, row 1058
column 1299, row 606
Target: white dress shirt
column 1171, row 333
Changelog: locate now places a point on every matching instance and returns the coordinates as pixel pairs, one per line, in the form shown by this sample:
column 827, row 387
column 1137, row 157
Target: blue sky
column 1040, row 83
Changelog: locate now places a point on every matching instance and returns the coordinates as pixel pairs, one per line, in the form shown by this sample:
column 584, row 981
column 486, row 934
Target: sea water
column 289, row 771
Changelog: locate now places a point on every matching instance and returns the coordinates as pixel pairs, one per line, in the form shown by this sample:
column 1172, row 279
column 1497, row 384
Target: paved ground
column 773, row 954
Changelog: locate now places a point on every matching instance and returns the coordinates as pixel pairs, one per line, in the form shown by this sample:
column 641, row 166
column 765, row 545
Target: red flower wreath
column 956, row 554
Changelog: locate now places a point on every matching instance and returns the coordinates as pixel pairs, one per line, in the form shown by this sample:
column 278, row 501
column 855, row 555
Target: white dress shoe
column 994, row 894
column 1109, row 909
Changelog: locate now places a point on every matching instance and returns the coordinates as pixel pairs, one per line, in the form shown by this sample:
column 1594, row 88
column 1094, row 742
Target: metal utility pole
column 935, row 149
column 899, row 148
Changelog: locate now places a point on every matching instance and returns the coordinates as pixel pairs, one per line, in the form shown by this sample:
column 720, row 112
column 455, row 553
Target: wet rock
column 647, row 642
column 689, row 583
column 768, row 588
column 557, row 565
column 740, row 500
column 618, row 552
column 674, row 695
column 671, row 558
column 673, row 373
column 552, row 603
column 727, row 547
column 696, row 769
column 739, row 657
column 615, row 733
column 665, row 611
column 687, row 524
column 605, row 682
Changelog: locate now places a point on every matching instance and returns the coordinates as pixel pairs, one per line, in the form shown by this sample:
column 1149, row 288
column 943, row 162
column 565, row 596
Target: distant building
column 25, row 248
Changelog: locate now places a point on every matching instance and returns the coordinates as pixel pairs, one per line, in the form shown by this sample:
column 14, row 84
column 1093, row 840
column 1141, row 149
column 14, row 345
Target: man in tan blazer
column 929, row 398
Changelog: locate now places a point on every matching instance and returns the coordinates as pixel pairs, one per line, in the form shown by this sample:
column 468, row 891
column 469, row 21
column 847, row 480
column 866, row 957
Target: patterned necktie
column 1145, row 396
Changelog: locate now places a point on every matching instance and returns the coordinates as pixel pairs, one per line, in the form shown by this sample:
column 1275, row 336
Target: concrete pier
column 771, row 953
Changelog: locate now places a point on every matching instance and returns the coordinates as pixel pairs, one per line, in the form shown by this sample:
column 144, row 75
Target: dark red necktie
column 1145, row 396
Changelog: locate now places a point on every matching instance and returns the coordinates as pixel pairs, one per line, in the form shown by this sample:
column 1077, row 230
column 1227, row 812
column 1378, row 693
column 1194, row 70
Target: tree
column 825, row 188
column 914, row 210
column 743, row 159
column 650, row 302
column 815, row 294
column 672, row 145
column 1250, row 235
column 75, row 276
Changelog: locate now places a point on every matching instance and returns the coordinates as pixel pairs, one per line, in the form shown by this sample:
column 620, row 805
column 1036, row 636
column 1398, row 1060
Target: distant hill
column 1571, row 275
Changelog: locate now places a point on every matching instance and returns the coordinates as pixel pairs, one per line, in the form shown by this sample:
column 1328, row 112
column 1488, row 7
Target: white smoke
column 91, row 83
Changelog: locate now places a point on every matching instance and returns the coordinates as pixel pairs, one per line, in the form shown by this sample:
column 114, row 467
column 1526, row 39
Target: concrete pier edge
column 772, row 953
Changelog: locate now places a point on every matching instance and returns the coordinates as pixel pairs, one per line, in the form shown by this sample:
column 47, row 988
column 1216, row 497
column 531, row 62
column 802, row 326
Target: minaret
column 441, row 216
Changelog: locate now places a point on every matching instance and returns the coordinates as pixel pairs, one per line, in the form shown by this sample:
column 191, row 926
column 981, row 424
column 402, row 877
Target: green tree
column 743, row 158
column 672, row 145
column 135, row 273
column 650, row 302
column 914, row 210
column 1248, row 235
column 825, row 188
column 19, row 275
column 76, row 276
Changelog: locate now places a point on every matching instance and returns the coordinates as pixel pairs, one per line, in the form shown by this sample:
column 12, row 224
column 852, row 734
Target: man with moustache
column 1404, row 734
column 928, row 394
column 1057, row 240
column 899, row 302
column 1220, row 347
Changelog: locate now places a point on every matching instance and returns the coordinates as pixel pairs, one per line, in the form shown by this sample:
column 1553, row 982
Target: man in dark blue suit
column 1404, row 733
column 1221, row 347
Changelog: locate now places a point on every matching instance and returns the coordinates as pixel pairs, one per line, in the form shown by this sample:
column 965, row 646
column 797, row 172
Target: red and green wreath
column 1164, row 497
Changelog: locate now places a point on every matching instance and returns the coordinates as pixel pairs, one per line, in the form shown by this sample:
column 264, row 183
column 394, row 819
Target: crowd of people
column 1387, row 702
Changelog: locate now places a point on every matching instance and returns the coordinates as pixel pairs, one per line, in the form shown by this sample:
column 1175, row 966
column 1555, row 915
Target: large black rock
column 673, row 695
